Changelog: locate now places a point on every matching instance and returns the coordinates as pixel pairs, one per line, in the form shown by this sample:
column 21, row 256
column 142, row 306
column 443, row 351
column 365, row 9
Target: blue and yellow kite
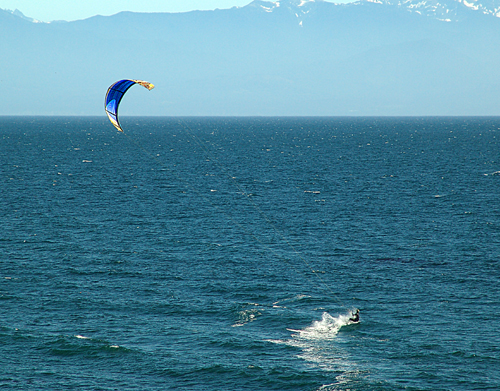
column 114, row 96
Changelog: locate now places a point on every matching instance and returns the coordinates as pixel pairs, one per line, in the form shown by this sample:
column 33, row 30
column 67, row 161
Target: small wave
column 291, row 299
column 98, row 342
column 80, row 345
column 246, row 316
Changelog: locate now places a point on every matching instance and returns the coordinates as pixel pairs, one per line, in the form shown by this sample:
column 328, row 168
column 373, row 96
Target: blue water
column 226, row 254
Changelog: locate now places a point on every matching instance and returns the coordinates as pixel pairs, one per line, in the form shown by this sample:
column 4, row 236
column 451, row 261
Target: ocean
column 228, row 253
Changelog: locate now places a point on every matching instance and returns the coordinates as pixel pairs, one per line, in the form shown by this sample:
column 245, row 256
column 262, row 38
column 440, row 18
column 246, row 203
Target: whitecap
column 246, row 316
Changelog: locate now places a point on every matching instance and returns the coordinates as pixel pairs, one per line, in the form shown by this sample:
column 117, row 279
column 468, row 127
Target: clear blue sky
column 48, row 10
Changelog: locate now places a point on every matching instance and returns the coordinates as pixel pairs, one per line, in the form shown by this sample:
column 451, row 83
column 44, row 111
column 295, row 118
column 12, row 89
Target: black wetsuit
column 355, row 318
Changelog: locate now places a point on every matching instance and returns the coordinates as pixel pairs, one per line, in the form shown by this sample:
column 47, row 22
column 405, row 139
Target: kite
column 114, row 96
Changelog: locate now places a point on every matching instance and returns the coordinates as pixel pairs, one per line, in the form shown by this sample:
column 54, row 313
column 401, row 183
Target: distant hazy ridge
column 267, row 58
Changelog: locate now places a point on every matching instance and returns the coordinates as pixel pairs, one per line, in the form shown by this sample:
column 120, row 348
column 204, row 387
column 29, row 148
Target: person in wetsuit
column 355, row 316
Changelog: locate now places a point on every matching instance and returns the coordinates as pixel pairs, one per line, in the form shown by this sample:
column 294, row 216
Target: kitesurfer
column 354, row 316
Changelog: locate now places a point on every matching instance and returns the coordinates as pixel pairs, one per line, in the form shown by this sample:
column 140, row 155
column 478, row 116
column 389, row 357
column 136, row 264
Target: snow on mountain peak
column 445, row 10
column 270, row 5
column 297, row 8
column 448, row 10
column 19, row 14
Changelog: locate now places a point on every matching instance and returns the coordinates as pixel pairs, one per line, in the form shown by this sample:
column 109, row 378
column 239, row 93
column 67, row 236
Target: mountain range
column 288, row 57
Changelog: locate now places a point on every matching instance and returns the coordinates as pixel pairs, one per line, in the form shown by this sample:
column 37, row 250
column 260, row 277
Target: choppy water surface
column 226, row 253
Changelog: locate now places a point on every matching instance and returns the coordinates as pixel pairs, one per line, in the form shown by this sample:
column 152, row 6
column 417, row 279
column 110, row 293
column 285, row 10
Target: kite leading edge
column 115, row 94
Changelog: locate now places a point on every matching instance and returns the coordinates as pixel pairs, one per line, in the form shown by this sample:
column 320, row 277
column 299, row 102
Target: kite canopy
column 114, row 96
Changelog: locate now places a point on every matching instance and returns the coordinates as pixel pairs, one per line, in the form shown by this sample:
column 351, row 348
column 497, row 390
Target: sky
column 49, row 10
